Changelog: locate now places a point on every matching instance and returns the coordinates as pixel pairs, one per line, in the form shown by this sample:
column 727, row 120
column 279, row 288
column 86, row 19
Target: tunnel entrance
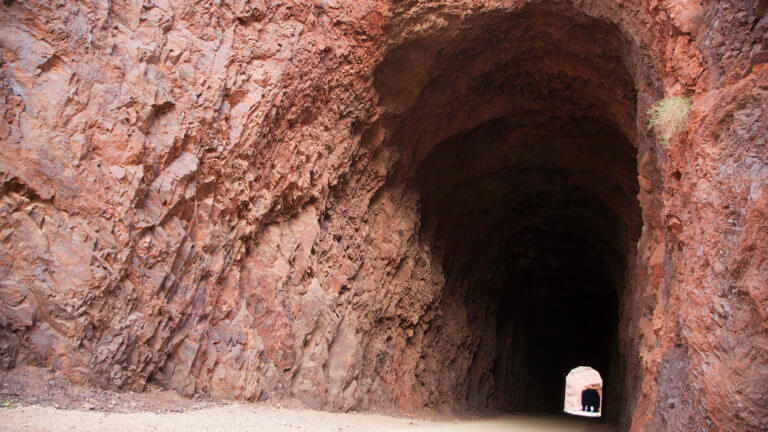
column 516, row 131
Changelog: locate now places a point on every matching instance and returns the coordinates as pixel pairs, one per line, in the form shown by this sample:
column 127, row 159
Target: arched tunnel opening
column 518, row 132
column 590, row 400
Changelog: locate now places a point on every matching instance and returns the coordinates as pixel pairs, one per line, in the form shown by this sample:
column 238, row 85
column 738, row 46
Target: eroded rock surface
column 372, row 205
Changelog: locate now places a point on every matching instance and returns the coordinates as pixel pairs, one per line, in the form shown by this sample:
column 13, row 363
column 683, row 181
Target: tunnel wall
column 220, row 198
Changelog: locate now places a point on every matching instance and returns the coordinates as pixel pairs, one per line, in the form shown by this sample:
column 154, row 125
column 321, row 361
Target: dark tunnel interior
column 517, row 132
column 536, row 235
column 590, row 400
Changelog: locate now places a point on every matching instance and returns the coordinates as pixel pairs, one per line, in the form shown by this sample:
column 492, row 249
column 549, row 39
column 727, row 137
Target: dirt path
column 36, row 400
column 258, row 418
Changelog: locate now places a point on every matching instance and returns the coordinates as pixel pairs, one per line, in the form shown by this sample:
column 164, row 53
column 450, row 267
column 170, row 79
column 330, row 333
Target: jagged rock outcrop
column 390, row 204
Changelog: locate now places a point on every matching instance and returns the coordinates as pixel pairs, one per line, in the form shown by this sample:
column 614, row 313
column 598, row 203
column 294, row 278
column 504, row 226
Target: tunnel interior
column 516, row 130
column 590, row 400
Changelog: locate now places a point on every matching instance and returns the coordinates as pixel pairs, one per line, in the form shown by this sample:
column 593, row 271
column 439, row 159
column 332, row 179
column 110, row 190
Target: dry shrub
column 669, row 118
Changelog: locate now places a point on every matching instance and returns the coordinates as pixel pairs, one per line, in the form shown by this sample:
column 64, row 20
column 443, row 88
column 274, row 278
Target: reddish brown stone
column 373, row 204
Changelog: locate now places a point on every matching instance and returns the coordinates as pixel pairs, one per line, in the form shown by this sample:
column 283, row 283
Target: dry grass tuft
column 669, row 118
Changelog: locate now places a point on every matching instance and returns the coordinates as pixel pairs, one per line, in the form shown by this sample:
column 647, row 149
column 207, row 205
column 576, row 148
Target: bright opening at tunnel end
column 583, row 392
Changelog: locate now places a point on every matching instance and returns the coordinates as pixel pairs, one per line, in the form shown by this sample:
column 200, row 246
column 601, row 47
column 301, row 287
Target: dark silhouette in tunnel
column 590, row 398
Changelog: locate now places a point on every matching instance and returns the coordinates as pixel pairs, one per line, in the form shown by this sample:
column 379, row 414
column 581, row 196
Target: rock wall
column 257, row 199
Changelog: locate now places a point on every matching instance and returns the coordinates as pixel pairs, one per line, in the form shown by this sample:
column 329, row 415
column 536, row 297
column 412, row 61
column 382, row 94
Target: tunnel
column 590, row 400
column 517, row 130
column 532, row 223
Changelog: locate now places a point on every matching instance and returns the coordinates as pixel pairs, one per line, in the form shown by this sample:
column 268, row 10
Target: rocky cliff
column 390, row 204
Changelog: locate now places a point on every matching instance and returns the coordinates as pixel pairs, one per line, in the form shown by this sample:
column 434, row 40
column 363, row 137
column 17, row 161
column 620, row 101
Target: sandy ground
column 259, row 418
column 36, row 400
column 220, row 418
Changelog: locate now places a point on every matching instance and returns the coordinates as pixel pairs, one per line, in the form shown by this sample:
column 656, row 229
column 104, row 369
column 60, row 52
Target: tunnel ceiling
column 516, row 132
column 543, row 63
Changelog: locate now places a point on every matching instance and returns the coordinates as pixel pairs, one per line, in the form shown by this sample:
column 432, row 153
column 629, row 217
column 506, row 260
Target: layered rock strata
column 390, row 204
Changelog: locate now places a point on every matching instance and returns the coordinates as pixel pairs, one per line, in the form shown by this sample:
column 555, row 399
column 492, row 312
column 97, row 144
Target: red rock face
column 364, row 204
